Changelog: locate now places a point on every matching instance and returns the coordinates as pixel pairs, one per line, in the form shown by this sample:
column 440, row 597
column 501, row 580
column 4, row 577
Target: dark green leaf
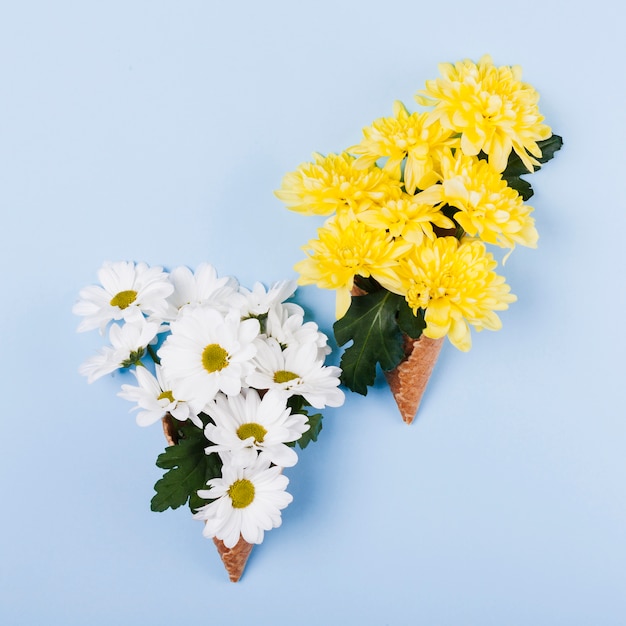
column 367, row 284
column 297, row 404
column 548, row 147
column 315, row 423
column 521, row 186
column 516, row 168
column 195, row 501
column 412, row 325
column 189, row 469
column 371, row 325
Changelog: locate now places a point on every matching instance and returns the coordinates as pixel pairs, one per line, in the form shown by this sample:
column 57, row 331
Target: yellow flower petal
column 455, row 283
column 492, row 109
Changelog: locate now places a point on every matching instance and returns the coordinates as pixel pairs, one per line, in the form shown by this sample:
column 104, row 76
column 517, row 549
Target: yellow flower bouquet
column 412, row 209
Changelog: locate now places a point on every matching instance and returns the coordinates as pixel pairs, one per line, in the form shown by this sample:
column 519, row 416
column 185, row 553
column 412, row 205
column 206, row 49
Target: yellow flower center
column 123, row 299
column 241, row 493
column 283, row 376
column 166, row 394
column 252, row 430
column 214, row 358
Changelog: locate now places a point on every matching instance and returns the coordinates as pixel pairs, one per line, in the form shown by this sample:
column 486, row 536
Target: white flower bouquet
column 231, row 373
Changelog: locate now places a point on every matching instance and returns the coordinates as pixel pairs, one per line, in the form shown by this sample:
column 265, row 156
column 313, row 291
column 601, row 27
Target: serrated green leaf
column 548, row 147
column 189, row 469
column 516, row 168
column 371, row 325
column 315, row 423
column 520, row 185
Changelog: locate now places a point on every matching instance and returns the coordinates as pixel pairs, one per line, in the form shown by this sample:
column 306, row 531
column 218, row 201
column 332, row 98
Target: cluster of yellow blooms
column 413, row 204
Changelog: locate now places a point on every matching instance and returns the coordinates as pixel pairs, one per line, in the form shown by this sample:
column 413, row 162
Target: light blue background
column 157, row 131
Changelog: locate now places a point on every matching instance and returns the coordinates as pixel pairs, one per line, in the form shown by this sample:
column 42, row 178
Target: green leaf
column 371, row 325
column 516, row 168
column 411, row 324
column 520, row 185
column 298, row 404
column 315, row 423
column 189, row 469
column 548, row 147
column 367, row 284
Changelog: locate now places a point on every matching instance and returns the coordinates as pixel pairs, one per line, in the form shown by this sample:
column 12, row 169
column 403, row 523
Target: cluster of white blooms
column 230, row 360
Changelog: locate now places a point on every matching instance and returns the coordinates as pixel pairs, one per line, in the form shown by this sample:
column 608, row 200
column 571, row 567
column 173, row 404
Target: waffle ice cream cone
column 409, row 378
column 234, row 558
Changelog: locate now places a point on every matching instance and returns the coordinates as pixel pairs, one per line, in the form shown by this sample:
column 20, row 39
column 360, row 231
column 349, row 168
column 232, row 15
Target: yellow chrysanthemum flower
column 332, row 184
column 344, row 250
column 492, row 109
column 456, row 285
column 414, row 136
column 406, row 217
column 488, row 207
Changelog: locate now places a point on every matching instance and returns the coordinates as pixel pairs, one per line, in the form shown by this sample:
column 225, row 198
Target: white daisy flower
column 155, row 397
column 296, row 371
column 208, row 352
column 286, row 324
column 259, row 301
column 203, row 287
column 246, row 502
column 128, row 345
column 127, row 291
column 245, row 424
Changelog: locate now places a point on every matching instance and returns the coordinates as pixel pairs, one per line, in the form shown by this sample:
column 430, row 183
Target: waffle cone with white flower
column 411, row 210
column 234, row 558
column 233, row 374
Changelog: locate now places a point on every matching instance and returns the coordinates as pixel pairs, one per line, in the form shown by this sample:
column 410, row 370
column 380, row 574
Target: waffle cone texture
column 408, row 380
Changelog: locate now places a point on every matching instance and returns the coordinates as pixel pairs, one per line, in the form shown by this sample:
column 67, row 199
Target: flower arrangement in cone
column 233, row 374
column 412, row 210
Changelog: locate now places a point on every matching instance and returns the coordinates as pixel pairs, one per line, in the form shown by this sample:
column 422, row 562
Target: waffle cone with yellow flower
column 410, row 211
column 408, row 380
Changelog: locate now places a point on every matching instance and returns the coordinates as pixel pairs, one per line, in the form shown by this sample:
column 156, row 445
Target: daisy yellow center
column 166, row 395
column 123, row 299
column 252, row 430
column 214, row 358
column 283, row 376
column 241, row 493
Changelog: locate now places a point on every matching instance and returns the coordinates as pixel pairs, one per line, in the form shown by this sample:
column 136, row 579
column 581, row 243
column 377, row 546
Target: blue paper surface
column 157, row 132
